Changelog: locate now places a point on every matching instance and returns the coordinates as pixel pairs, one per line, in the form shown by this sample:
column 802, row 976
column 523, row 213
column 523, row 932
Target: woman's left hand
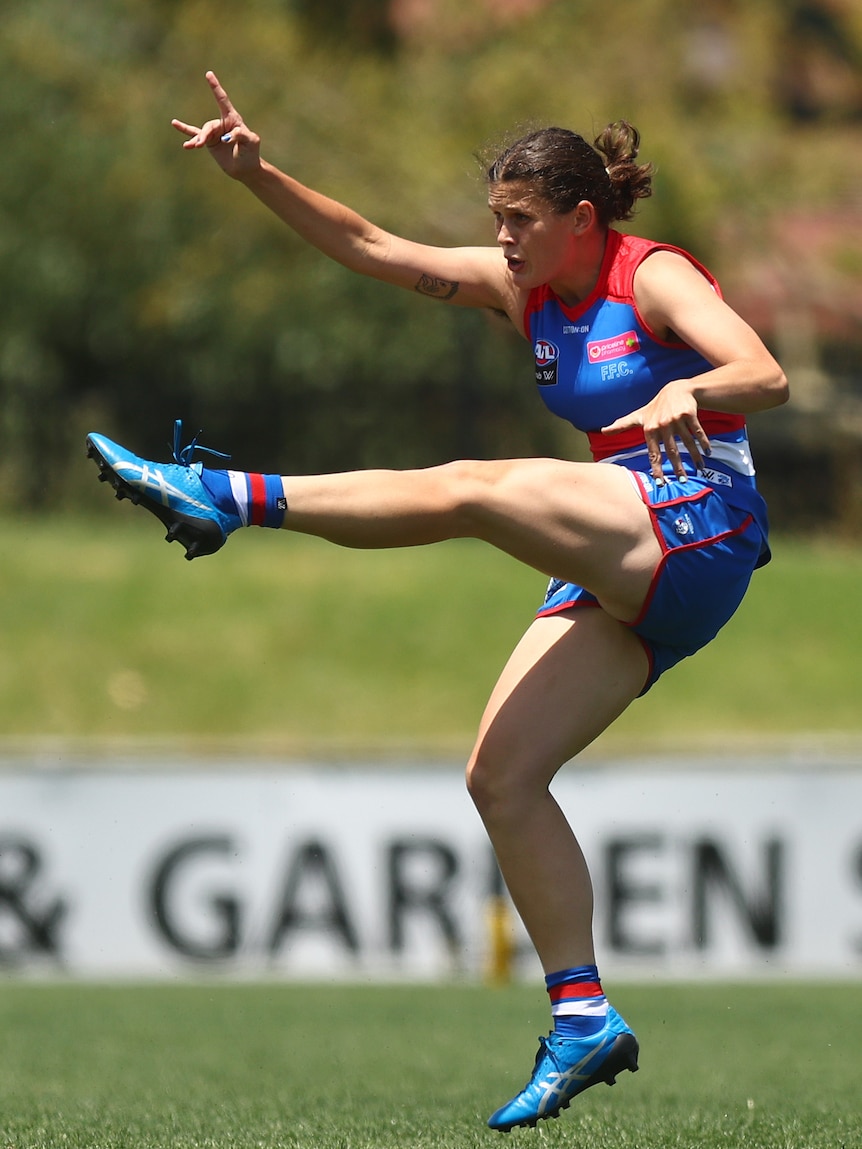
column 668, row 421
column 234, row 147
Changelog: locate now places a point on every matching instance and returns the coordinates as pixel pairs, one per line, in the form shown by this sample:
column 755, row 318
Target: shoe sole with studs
column 199, row 536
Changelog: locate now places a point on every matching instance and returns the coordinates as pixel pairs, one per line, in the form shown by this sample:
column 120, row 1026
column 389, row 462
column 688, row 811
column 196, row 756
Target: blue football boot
column 565, row 1067
column 173, row 492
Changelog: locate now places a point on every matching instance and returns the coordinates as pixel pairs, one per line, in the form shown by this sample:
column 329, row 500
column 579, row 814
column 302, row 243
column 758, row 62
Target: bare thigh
column 581, row 522
column 570, row 676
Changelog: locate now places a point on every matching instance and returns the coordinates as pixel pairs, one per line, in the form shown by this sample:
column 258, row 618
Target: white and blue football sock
column 257, row 500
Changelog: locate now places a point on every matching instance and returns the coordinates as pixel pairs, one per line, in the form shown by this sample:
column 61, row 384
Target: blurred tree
column 820, row 73
column 364, row 24
column 140, row 285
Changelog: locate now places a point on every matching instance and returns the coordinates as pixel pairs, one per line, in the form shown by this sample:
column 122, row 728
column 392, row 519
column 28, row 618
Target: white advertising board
column 382, row 873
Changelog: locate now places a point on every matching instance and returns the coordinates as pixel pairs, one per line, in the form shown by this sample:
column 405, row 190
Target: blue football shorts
column 709, row 552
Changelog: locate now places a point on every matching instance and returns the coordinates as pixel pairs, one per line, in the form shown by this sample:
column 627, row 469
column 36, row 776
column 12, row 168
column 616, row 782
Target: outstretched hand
column 670, row 419
column 232, row 145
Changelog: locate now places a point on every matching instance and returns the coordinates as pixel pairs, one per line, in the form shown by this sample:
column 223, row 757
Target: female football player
column 649, row 548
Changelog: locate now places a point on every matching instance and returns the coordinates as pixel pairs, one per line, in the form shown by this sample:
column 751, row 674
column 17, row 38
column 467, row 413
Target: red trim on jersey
column 622, row 257
column 603, row 446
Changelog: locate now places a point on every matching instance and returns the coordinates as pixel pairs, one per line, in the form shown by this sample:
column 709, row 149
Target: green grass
column 256, row 1066
column 289, row 645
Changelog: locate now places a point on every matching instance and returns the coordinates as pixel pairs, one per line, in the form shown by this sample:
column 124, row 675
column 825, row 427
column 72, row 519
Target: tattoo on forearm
column 436, row 288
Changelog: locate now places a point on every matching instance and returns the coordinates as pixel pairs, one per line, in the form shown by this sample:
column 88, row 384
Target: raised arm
column 468, row 276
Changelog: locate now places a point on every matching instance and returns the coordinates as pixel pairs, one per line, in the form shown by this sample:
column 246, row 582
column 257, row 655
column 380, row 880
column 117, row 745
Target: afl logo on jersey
column 547, row 355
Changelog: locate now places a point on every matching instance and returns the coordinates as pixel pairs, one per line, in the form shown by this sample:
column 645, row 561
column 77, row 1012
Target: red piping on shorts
column 546, row 612
column 668, row 551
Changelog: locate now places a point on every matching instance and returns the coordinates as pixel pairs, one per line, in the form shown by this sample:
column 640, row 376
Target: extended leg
column 569, row 678
column 582, row 522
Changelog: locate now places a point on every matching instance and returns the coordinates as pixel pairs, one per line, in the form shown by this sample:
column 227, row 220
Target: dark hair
column 562, row 168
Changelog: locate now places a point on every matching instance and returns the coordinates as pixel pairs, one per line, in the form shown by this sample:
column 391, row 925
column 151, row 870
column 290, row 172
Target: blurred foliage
column 139, row 285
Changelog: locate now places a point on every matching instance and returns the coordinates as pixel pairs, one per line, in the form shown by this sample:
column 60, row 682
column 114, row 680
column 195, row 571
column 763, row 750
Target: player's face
column 536, row 241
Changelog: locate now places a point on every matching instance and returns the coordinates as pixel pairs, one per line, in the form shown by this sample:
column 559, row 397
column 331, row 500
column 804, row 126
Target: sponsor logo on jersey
column 547, row 356
column 546, row 352
column 717, row 477
column 601, row 350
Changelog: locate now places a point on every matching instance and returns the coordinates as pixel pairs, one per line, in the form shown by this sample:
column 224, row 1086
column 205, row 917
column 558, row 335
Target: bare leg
column 583, row 522
column 570, row 676
column 567, row 680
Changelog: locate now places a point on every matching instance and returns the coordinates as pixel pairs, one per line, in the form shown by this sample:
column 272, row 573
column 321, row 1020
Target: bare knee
column 482, row 782
column 499, row 784
column 465, row 488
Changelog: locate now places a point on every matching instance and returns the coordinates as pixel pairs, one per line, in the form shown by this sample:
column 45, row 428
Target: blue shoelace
column 185, row 455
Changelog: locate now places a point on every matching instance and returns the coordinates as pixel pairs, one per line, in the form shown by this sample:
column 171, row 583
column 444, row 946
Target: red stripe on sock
column 258, row 500
column 574, row 991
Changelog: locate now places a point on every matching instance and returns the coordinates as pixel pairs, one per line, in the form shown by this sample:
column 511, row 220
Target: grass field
column 289, row 645
column 270, row 1066
column 286, row 645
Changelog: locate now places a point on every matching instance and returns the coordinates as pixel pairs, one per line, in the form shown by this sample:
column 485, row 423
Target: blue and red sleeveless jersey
column 598, row 361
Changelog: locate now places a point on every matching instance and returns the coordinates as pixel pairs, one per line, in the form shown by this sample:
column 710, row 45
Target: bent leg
column 570, row 676
column 581, row 522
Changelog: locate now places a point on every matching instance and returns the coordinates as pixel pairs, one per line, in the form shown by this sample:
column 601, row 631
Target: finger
column 696, row 455
column 674, row 454
column 186, row 129
column 238, row 138
column 224, row 105
column 621, row 424
column 703, row 442
column 199, row 137
column 690, row 444
column 696, row 441
column 654, row 454
column 210, row 134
